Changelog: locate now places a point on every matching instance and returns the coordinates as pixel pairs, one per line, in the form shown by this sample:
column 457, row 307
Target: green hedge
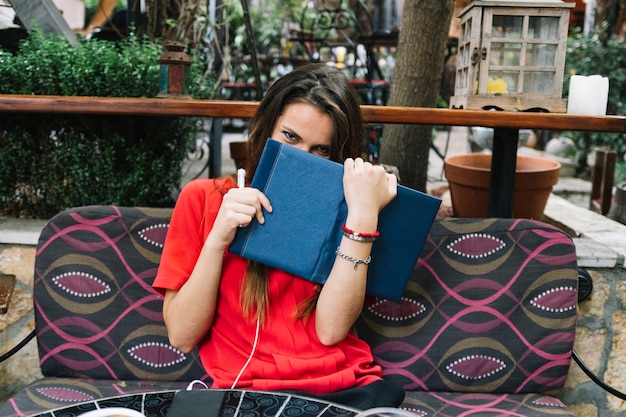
column 49, row 162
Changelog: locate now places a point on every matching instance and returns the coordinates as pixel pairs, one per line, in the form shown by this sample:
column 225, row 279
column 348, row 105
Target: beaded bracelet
column 356, row 261
column 361, row 237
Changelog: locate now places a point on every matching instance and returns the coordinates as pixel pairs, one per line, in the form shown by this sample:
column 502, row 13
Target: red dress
column 289, row 355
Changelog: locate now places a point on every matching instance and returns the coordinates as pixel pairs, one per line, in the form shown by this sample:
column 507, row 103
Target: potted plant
column 469, row 176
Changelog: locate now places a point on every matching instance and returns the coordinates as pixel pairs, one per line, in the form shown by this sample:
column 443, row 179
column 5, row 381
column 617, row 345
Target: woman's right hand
column 187, row 327
column 239, row 207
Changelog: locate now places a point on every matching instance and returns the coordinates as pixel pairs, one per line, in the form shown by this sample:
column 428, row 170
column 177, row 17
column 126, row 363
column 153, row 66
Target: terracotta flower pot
column 469, row 176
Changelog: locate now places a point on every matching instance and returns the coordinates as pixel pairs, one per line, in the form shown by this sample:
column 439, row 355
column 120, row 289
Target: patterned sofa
column 486, row 326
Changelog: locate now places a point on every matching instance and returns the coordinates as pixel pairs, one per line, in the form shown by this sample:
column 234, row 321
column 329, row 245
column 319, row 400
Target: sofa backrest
column 490, row 307
column 96, row 313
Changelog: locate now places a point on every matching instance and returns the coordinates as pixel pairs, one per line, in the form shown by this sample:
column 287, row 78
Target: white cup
column 112, row 412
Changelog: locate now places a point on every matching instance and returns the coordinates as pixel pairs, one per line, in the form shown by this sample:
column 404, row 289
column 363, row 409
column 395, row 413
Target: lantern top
column 517, row 3
column 522, row 3
column 174, row 53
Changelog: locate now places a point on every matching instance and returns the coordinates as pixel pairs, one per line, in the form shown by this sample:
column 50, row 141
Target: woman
column 262, row 328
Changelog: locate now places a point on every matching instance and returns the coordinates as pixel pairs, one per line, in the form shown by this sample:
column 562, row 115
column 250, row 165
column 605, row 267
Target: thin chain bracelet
column 355, row 261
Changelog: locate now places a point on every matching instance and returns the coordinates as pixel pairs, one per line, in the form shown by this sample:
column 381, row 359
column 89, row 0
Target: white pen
column 241, row 178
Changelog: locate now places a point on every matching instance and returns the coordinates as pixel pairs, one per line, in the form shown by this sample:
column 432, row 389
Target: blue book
column 303, row 231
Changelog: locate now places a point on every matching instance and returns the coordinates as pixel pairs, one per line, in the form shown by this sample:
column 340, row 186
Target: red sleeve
column 192, row 219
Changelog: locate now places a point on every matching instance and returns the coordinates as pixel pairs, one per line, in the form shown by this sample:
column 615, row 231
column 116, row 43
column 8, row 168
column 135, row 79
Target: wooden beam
column 372, row 114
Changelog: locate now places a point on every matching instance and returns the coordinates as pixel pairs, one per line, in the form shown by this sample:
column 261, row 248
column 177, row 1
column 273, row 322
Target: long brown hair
column 329, row 90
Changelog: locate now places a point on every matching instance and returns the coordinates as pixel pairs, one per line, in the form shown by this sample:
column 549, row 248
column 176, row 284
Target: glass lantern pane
column 463, row 79
column 539, row 82
column 505, row 53
column 463, row 56
column 504, row 82
column 543, row 28
column 507, row 26
column 540, row 55
column 466, row 29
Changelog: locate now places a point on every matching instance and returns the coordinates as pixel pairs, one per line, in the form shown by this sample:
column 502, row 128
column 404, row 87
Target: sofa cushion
column 77, row 396
column 96, row 313
column 491, row 307
column 427, row 404
column 242, row 403
column 51, row 393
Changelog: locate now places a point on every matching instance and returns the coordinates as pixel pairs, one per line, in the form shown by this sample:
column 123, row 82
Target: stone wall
column 19, row 321
column 601, row 334
column 601, row 345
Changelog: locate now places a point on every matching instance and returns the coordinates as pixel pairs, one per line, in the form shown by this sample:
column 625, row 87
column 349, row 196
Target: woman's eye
column 323, row 150
column 290, row 136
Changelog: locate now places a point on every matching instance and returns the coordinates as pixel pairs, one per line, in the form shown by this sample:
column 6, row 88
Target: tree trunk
column 621, row 20
column 609, row 11
column 177, row 20
column 159, row 11
column 416, row 80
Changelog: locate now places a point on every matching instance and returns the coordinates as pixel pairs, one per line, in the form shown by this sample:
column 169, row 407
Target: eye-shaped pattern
column 476, row 245
column 405, row 309
column 549, row 401
column 154, row 234
column 556, row 300
column 81, row 284
column 476, row 367
column 64, row 394
column 156, row 354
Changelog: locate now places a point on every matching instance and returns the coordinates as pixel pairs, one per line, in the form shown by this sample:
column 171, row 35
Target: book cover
column 303, row 231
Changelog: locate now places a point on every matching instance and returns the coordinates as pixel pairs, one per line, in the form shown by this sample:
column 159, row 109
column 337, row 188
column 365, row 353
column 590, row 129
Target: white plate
column 112, row 411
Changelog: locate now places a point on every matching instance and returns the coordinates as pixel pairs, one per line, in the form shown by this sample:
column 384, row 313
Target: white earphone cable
column 245, row 365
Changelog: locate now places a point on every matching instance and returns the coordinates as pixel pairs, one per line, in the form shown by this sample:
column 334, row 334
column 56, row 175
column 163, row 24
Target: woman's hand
column 239, row 207
column 187, row 327
column 367, row 188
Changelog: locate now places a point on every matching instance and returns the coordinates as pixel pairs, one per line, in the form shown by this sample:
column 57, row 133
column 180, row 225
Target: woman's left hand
column 367, row 187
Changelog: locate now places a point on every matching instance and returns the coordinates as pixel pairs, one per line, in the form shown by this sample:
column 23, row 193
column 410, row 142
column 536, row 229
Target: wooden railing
column 373, row 114
column 506, row 124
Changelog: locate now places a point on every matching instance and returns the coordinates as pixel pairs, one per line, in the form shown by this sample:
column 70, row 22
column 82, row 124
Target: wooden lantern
column 511, row 55
column 175, row 65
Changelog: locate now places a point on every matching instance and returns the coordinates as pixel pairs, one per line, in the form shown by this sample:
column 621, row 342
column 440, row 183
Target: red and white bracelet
column 361, row 237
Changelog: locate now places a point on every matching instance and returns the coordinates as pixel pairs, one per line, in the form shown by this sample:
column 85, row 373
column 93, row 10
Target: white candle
column 588, row 95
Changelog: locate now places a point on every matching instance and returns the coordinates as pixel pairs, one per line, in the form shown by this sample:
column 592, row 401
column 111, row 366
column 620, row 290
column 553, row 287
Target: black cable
column 17, row 347
column 597, row 380
column 585, row 284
